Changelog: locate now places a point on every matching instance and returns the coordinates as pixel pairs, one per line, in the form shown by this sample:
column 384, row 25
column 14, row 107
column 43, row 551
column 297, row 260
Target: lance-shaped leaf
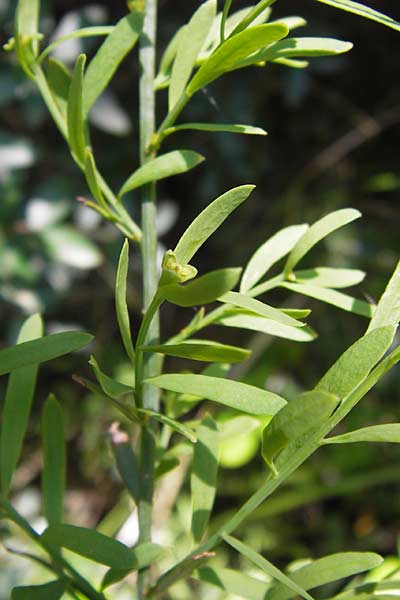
column 234, row 50
column 143, row 556
column 165, row 165
column 17, row 406
column 363, row 11
column 90, row 544
column 59, row 81
column 356, row 362
column 306, row 412
column 252, row 15
column 209, row 220
column 54, row 461
column 39, row 351
column 165, row 420
column 241, row 396
column 168, row 58
column 233, row 582
column 269, row 253
column 84, row 32
column 205, row 350
column 245, row 320
column 203, row 480
column 330, row 277
column 92, row 177
column 266, row 566
column 109, row 56
column 111, row 387
column 188, row 48
column 26, row 33
column 292, row 22
column 389, row 432
column 53, row 590
column 259, row 308
column 121, row 306
column 217, row 127
column 388, row 310
column 319, row 230
column 203, row 290
column 75, row 116
column 126, row 461
column 326, row 570
column 338, row 299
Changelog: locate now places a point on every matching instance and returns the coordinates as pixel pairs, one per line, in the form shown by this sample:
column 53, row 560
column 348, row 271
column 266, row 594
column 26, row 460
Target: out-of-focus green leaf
column 388, row 310
column 188, row 48
column 18, row 401
column 143, row 556
column 92, row 177
column 84, row 32
column 203, row 480
column 253, row 322
column 108, row 57
column 269, row 253
column 266, row 566
column 330, row 278
column 208, row 221
column 363, row 11
column 54, row 461
column 59, row 81
column 126, row 461
column 259, row 308
column 111, row 387
column 330, row 296
column 53, row 590
column 234, row 50
column 233, row 582
column 90, row 544
column 389, row 432
column 165, row 165
column 165, row 420
column 203, row 290
column 75, row 116
column 218, row 127
column 241, row 396
column 168, row 57
column 204, row 350
column 319, row 230
column 306, row 412
column 26, row 34
column 68, row 246
column 121, row 306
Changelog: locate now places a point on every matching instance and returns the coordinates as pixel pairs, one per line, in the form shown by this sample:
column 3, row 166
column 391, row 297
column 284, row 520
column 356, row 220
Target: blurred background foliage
column 333, row 142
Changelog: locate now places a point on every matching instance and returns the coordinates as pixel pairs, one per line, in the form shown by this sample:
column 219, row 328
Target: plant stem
column 149, row 394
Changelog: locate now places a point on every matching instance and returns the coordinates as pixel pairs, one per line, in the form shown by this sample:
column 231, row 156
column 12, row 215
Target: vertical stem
column 150, row 395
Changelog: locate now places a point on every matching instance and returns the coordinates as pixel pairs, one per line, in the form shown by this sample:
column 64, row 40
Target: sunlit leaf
column 388, row 310
column 202, row 290
column 92, row 177
column 25, row 33
column 259, row 308
column 121, row 306
column 252, row 322
column 54, row 461
column 233, row 582
column 59, row 81
column 389, row 432
column 84, row 32
column 363, row 11
column 143, row 556
column 251, row 16
column 205, row 350
column 329, row 277
column 330, row 296
column 111, row 387
column 217, row 127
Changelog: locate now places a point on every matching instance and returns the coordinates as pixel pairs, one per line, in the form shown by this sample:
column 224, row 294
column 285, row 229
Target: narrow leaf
column 202, row 290
column 208, row 221
column 326, row 570
column 18, row 402
column 90, row 544
column 109, row 56
column 262, row 325
column 205, row 350
column 59, row 81
column 39, row 351
column 259, row 308
column 84, row 32
column 170, row 52
column 363, row 11
column 292, row 22
column 233, row 50
column 203, row 480
column 329, row 277
column 121, row 306
column 269, row 253
column 175, row 425
column 54, row 461
column 25, row 34
column 190, row 44
column 53, row 590
column 317, row 232
column 388, row 310
column 126, row 461
column 338, row 299
column 92, row 177
column 143, row 556
column 111, row 387
column 266, row 566
column 75, row 116
column 218, row 127
column 252, row 14
column 241, row 396
column 389, row 432
column 165, row 165
column 233, row 582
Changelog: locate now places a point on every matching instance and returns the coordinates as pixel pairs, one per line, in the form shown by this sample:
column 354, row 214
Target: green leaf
column 292, row 22
column 205, row 350
column 221, row 127
column 388, row 310
column 389, row 432
column 109, row 56
column 26, row 34
column 126, row 461
column 326, row 570
column 90, row 544
column 292, row 63
column 38, row 351
column 269, row 253
column 54, row 461
column 252, row 322
column 224, row 16
column 203, row 480
column 356, row 362
column 175, row 425
column 169, row 54
column 208, row 221
column 234, row 582
column 92, row 177
column 241, row 396
column 165, row 165
column 236, row 48
column 84, row 32
column 202, row 290
column 319, row 230
column 363, row 11
column 338, row 299
column 188, row 48
column 143, row 556
column 18, row 401
column 111, row 387
column 329, row 277
column 53, row 590
column 306, row 412
column 252, row 15
column 266, row 566
column 259, row 308
column 59, row 81
column 121, row 306
column 75, row 115
column 68, row 246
